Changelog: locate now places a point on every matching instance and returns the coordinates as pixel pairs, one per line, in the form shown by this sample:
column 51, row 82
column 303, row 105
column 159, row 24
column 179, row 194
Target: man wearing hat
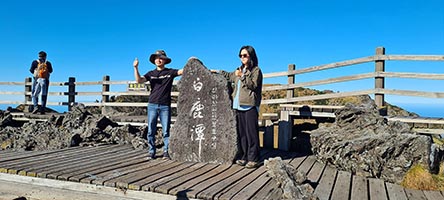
column 40, row 84
column 159, row 103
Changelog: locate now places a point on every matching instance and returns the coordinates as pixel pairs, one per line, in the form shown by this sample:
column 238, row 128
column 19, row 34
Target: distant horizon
column 423, row 110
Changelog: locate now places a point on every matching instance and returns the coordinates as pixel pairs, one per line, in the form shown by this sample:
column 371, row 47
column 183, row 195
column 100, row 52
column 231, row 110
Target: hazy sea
column 424, row 110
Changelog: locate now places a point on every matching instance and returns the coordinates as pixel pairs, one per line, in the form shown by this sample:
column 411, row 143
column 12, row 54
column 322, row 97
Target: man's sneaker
column 151, row 156
column 166, row 156
column 241, row 162
column 36, row 110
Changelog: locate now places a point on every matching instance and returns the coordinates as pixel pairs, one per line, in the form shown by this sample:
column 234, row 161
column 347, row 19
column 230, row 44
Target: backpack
column 42, row 70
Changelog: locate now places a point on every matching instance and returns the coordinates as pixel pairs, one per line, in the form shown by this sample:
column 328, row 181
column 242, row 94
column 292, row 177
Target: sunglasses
column 243, row 55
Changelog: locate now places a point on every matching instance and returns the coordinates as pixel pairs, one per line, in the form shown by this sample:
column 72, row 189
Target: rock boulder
column 205, row 129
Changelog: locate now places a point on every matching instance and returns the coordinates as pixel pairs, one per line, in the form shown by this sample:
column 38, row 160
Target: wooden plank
column 7, row 154
column 124, row 181
column 46, row 165
column 320, row 82
column 66, row 163
column 99, row 163
column 197, row 173
column 307, row 164
column 32, row 154
column 12, row 83
column 173, row 169
column 411, row 57
column 183, row 189
column 395, row 191
column 433, row 195
column 319, row 97
column 176, row 176
column 111, row 174
column 417, row 120
column 229, row 192
column 269, row 191
column 341, row 190
column 377, row 189
column 412, row 75
column 312, row 114
column 201, row 186
column 428, row 131
column 297, row 106
column 325, row 186
column 415, row 194
column 91, row 172
column 18, row 165
column 411, row 93
column 297, row 161
column 316, row 171
column 217, row 187
column 71, row 161
column 359, row 188
column 253, row 188
column 321, row 67
column 232, row 190
column 32, row 158
column 12, row 93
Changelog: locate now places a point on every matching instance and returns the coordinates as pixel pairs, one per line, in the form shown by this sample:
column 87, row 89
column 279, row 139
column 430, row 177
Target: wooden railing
column 379, row 75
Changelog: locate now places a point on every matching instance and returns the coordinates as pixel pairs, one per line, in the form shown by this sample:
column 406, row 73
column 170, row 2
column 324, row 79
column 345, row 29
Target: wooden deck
column 121, row 166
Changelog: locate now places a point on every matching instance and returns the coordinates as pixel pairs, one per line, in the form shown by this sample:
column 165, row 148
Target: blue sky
column 88, row 39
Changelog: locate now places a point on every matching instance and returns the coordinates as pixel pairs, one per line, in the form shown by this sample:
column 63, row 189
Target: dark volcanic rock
column 293, row 183
column 364, row 143
column 76, row 128
column 205, row 130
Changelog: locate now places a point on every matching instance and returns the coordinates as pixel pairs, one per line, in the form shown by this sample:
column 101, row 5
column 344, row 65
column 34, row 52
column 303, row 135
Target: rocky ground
column 77, row 128
column 363, row 142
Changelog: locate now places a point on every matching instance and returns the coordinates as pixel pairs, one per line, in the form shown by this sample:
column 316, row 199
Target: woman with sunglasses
column 247, row 79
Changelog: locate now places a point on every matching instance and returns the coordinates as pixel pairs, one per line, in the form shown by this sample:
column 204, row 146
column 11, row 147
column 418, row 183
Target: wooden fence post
column 291, row 80
column 285, row 125
column 285, row 130
column 379, row 81
column 71, row 92
column 105, row 88
column 28, row 89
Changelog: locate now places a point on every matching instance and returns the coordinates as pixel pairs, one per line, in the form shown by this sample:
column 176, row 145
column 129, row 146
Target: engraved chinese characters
column 205, row 129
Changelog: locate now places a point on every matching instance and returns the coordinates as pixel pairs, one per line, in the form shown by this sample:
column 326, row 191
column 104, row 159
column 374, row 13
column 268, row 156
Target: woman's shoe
column 241, row 162
column 251, row 164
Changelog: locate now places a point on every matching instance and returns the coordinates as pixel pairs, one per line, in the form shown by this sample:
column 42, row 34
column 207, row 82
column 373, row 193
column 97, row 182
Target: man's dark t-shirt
column 161, row 83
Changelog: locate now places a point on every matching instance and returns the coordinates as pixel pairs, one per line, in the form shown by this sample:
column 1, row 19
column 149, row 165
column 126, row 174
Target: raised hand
column 136, row 63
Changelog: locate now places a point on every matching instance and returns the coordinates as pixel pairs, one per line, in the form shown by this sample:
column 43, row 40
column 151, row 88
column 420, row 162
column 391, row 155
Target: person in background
column 159, row 103
column 247, row 94
column 41, row 70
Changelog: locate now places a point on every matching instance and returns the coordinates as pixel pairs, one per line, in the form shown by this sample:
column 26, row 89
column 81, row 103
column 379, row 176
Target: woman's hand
column 238, row 73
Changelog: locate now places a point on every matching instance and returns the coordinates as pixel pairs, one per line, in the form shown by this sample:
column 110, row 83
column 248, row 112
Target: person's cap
column 160, row 54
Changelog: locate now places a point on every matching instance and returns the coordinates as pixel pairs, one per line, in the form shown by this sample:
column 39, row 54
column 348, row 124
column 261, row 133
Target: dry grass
column 419, row 178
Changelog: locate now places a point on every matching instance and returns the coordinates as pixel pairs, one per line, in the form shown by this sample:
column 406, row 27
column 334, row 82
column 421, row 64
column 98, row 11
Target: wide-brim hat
column 160, row 54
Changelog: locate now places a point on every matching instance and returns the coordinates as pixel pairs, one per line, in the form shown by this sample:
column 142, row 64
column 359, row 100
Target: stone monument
column 205, row 129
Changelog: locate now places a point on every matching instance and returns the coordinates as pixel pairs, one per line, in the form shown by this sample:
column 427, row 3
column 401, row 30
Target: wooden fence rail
column 379, row 90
